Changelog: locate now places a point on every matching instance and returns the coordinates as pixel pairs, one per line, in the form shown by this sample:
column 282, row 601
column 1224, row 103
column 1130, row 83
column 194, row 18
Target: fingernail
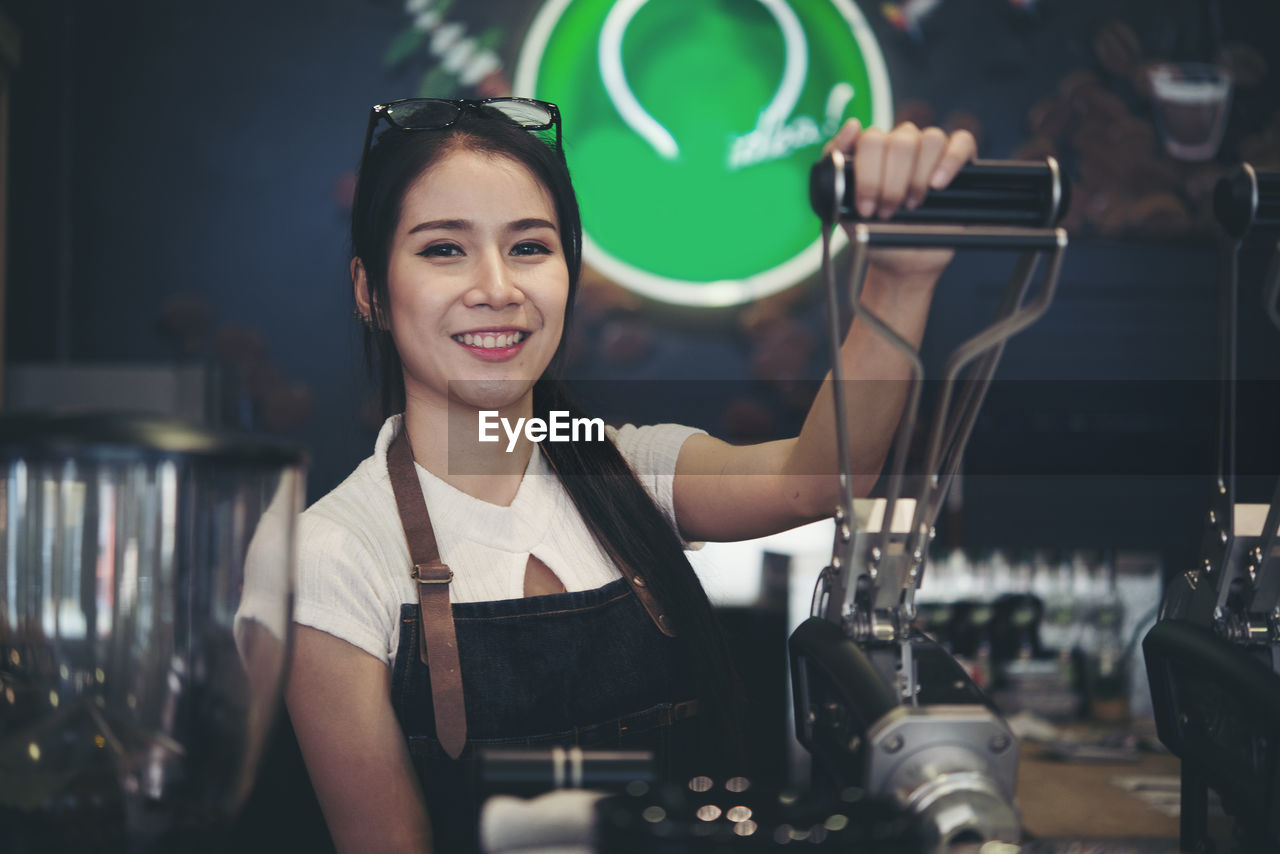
column 866, row 208
column 912, row 203
column 885, row 213
column 939, row 180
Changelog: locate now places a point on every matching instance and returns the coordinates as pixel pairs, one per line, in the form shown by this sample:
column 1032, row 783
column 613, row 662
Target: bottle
column 1109, row 687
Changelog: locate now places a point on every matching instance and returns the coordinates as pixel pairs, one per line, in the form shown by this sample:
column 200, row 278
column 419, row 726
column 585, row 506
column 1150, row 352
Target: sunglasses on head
column 414, row 114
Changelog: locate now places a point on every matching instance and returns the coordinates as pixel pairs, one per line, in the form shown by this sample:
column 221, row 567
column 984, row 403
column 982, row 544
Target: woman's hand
column 895, row 169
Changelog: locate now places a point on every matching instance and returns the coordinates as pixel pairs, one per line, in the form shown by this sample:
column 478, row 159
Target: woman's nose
column 494, row 284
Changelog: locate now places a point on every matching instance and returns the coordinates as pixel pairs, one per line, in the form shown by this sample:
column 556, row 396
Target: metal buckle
column 416, row 575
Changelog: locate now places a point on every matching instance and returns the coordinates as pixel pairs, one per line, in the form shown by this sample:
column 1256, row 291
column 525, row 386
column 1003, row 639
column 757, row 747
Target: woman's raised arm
column 726, row 492
column 339, row 700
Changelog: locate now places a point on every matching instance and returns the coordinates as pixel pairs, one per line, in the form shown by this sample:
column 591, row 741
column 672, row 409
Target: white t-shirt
column 353, row 561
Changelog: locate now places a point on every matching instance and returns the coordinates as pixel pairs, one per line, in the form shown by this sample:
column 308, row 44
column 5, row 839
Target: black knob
column 1247, row 198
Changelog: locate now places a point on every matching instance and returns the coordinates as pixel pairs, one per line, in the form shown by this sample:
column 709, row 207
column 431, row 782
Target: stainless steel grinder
column 146, row 585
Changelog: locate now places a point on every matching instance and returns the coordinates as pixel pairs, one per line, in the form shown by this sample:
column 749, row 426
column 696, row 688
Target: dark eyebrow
column 527, row 224
column 447, row 224
column 530, row 224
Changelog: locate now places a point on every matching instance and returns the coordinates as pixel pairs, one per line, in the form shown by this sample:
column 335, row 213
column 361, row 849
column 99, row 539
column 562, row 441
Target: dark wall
column 196, row 153
column 179, row 182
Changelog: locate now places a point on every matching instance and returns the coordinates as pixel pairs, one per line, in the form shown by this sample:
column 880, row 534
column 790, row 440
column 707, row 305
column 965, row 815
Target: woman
column 560, row 608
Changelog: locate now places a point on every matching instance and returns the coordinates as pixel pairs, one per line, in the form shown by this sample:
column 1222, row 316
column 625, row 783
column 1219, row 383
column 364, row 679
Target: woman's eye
column 530, row 248
column 441, row 250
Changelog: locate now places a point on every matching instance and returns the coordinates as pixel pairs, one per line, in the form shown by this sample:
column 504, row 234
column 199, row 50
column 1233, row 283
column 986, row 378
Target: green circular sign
column 691, row 127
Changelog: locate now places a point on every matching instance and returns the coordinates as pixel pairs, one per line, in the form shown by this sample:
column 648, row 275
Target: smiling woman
column 453, row 592
column 466, row 244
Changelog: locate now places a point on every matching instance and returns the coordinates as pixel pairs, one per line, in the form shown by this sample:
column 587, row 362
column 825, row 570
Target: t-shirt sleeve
column 652, row 451
column 264, row 595
column 338, row 590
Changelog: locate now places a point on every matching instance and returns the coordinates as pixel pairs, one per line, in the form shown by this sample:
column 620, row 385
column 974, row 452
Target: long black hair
column 616, row 508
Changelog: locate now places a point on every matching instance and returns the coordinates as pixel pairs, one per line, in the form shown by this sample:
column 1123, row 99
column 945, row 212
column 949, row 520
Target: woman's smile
column 493, row 345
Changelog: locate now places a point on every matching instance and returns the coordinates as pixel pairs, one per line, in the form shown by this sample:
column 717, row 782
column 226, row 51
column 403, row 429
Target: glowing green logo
column 690, row 126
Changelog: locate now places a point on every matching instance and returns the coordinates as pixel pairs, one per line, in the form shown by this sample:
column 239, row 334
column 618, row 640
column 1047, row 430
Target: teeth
column 491, row 341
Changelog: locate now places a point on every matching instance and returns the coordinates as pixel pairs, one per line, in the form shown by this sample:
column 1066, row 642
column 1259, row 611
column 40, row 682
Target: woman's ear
column 365, row 305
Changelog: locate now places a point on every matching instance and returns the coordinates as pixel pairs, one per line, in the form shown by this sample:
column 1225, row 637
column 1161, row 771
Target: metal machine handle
column 1247, row 580
column 1248, row 199
column 989, row 205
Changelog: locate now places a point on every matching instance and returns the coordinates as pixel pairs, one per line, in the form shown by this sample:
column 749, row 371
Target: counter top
column 1066, row 799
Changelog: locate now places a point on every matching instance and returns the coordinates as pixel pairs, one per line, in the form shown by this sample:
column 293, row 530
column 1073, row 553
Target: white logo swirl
column 795, row 68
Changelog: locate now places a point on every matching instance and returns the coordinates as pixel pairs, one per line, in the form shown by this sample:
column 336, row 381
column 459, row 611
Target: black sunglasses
column 412, row 114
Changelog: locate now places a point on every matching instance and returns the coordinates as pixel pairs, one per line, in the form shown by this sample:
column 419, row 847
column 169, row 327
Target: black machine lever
column 1016, row 193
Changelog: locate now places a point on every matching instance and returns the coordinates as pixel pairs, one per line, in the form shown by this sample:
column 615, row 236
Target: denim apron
column 589, row 669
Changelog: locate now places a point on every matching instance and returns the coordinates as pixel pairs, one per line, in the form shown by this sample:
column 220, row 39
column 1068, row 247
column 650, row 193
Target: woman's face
column 477, row 281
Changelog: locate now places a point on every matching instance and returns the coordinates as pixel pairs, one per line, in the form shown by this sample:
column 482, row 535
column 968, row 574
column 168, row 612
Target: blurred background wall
column 180, row 173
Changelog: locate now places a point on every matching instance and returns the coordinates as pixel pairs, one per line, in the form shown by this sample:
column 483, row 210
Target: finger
column 961, row 148
column 868, row 169
column 933, row 141
column 844, row 138
column 901, row 149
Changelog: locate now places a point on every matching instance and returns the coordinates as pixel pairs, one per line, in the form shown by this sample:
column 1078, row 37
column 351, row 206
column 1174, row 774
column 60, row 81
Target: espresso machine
column 146, row 583
column 1213, row 657
column 880, row 706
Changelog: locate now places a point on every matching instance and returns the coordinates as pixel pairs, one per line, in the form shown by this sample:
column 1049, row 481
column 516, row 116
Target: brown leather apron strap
column 642, row 592
column 439, row 647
